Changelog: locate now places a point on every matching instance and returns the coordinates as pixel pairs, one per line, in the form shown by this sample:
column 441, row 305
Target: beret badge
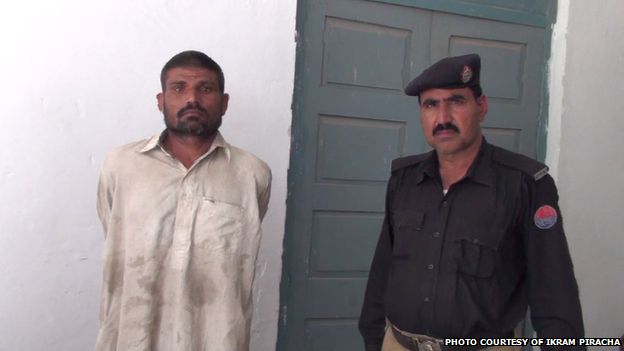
column 466, row 74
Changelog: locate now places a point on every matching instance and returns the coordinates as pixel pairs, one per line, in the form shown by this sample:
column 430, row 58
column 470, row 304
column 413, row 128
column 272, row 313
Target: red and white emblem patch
column 545, row 217
column 466, row 75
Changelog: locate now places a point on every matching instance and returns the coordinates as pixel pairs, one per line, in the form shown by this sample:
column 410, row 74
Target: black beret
column 451, row 72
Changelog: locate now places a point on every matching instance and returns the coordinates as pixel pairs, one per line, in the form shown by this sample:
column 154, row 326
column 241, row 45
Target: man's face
column 192, row 103
column 451, row 119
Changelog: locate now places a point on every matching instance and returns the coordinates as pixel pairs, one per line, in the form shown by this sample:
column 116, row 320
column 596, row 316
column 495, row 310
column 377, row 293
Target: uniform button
column 426, row 299
column 444, row 204
column 436, row 234
column 430, row 266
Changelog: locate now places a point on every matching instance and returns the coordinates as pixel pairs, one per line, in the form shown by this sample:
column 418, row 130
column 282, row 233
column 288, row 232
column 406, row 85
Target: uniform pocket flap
column 407, row 219
column 406, row 225
column 474, row 256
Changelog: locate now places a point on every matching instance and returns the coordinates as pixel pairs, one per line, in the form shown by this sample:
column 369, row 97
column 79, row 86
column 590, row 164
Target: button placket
column 185, row 211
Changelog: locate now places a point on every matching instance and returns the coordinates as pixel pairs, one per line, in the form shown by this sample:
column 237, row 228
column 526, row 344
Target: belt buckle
column 428, row 346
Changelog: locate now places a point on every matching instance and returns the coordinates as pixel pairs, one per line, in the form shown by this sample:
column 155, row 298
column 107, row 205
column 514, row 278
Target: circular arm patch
column 545, row 217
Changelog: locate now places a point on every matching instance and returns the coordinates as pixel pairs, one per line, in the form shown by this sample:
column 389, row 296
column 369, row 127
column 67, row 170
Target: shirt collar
column 480, row 171
column 157, row 141
column 152, row 143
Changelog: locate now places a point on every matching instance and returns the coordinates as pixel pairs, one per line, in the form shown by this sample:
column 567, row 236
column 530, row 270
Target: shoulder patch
column 545, row 217
column 409, row 161
column 527, row 165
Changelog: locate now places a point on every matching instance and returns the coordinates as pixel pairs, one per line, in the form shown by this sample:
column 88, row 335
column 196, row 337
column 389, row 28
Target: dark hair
column 192, row 58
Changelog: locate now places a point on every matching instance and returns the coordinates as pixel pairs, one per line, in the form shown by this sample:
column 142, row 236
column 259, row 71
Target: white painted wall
column 80, row 77
column 588, row 88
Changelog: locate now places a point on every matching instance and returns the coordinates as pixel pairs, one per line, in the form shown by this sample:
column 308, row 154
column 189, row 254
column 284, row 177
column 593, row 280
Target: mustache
column 445, row 126
column 191, row 108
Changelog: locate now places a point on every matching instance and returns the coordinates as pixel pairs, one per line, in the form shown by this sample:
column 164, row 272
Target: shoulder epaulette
column 527, row 165
column 407, row 161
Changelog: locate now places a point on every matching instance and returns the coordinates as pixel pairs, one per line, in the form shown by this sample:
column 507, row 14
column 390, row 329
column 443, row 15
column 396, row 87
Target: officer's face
column 192, row 102
column 451, row 119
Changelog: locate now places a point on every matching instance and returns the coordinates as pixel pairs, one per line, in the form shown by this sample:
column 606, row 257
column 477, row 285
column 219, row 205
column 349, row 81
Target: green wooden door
column 351, row 119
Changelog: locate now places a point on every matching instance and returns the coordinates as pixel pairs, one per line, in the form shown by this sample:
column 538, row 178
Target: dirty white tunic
column 180, row 247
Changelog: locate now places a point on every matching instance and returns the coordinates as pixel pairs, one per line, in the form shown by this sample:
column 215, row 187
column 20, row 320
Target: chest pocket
column 218, row 226
column 406, row 226
column 474, row 255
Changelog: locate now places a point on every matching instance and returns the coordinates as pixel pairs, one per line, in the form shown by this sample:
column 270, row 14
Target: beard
column 204, row 126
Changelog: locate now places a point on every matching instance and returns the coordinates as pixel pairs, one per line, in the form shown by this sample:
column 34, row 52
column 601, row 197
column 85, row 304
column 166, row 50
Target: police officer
column 472, row 234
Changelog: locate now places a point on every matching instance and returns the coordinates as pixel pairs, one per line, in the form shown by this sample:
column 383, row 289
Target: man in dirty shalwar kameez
column 181, row 213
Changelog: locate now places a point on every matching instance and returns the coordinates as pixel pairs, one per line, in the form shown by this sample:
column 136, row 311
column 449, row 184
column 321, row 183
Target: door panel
column 354, row 121
column 351, row 119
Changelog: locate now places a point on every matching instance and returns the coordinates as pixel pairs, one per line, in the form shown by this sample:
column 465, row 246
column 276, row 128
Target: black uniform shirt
column 467, row 264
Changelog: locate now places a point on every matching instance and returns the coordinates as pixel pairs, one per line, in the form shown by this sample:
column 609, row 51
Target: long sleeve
column 264, row 195
column 553, row 291
column 104, row 203
column 372, row 319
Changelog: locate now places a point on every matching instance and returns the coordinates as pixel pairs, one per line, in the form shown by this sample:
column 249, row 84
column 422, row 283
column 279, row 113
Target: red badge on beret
column 545, row 217
column 466, row 74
